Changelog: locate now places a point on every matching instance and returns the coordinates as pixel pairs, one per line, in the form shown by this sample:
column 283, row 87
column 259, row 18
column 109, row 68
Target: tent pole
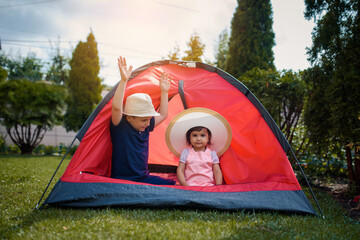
column 312, row 193
column 67, row 151
column 182, row 94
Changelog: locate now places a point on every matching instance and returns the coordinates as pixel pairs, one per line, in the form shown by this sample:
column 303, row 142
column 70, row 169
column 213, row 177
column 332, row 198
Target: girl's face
column 199, row 139
column 139, row 123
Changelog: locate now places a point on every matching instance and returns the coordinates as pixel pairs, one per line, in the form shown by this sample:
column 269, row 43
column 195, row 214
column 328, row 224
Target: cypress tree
column 222, row 49
column 252, row 37
column 84, row 84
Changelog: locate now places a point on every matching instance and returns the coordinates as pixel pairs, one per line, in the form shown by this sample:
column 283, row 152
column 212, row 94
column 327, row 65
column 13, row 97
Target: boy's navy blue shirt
column 130, row 150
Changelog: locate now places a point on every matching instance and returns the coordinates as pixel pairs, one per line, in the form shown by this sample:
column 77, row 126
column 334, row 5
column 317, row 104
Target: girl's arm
column 217, row 174
column 180, row 174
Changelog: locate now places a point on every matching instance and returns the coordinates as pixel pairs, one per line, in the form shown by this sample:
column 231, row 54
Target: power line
column 186, row 9
column 131, row 49
column 178, row 7
column 17, row 42
column 37, row 41
column 59, row 41
column 29, row 3
column 100, row 53
column 26, row 45
column 22, row 31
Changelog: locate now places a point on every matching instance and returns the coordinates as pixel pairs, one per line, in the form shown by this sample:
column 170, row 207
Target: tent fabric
column 124, row 195
column 254, row 166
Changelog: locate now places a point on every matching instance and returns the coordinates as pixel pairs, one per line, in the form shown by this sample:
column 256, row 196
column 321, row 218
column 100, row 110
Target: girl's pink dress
column 198, row 169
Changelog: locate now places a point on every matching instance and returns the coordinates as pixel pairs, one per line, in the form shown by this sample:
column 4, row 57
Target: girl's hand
column 180, row 174
column 124, row 72
column 165, row 82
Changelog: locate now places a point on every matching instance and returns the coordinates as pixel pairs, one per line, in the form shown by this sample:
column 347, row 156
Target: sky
column 143, row 31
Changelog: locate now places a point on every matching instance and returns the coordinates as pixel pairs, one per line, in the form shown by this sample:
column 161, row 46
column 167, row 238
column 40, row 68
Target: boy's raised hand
column 164, row 84
column 124, row 72
column 165, row 81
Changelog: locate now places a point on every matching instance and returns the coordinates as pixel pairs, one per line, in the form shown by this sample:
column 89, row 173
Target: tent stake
column 67, row 151
column 307, row 182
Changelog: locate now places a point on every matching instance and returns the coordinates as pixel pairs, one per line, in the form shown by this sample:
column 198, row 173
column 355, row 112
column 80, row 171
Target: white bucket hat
column 139, row 105
column 176, row 131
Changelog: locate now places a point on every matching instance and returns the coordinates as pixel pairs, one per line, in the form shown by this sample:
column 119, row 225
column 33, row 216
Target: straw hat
column 139, row 105
column 192, row 117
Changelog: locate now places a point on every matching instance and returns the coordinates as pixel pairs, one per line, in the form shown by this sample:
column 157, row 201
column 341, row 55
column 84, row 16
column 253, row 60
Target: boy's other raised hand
column 125, row 73
column 165, row 81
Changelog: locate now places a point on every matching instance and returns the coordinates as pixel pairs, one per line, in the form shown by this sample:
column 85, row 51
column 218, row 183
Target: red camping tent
column 256, row 170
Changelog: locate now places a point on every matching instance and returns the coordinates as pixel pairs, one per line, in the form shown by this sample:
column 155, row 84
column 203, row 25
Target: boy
column 130, row 133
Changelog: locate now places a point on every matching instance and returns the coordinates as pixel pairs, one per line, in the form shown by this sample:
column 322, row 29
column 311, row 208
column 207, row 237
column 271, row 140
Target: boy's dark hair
column 197, row 129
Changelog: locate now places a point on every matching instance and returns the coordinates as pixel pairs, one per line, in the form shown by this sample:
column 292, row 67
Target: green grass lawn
column 23, row 180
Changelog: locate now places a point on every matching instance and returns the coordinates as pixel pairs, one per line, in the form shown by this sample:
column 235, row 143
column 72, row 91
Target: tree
column 28, row 109
column 84, row 84
column 222, row 49
column 317, row 108
column 58, row 72
column 24, row 68
column 335, row 78
column 3, row 74
column 252, row 37
column 283, row 95
column 174, row 54
column 196, row 49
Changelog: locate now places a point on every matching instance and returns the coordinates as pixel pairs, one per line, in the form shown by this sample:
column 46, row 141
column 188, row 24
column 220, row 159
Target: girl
column 199, row 165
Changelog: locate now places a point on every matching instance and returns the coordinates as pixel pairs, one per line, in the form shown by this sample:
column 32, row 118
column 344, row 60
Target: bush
column 50, row 150
column 62, row 151
column 13, row 149
column 39, row 150
column 73, row 150
column 2, row 144
column 333, row 168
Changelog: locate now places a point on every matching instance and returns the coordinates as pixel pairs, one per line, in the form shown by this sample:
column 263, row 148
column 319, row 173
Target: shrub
column 50, row 150
column 62, row 149
column 39, row 150
column 73, row 150
column 332, row 168
column 13, row 149
column 2, row 144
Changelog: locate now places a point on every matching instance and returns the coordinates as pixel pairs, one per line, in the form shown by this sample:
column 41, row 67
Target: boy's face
column 139, row 123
